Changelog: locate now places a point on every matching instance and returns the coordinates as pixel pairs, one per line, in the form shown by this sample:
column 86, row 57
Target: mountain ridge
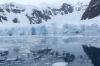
column 15, row 13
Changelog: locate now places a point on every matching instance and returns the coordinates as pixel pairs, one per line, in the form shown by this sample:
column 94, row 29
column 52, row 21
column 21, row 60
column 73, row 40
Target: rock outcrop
column 92, row 11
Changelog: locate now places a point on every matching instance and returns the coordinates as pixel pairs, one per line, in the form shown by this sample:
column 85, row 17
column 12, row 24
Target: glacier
column 68, row 25
column 67, row 29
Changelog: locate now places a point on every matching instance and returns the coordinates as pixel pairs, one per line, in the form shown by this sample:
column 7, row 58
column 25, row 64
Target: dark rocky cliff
column 92, row 11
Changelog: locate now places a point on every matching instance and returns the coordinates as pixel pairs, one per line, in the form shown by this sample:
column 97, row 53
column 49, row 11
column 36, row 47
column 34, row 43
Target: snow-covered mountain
column 16, row 13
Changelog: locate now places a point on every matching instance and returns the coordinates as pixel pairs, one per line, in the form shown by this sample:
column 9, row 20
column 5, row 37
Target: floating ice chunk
column 3, row 50
column 60, row 64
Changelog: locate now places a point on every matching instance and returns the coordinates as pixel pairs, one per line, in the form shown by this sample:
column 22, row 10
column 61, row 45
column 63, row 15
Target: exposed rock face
column 93, row 53
column 66, row 8
column 37, row 16
column 12, row 8
column 15, row 20
column 92, row 11
column 4, row 18
column 8, row 8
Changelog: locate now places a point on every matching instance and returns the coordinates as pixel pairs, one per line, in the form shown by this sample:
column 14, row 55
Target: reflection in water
column 27, row 51
column 93, row 53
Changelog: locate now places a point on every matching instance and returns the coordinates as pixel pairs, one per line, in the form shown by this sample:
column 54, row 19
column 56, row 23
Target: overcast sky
column 36, row 2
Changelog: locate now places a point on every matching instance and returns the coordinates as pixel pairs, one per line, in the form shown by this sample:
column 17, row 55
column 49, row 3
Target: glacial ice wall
column 67, row 30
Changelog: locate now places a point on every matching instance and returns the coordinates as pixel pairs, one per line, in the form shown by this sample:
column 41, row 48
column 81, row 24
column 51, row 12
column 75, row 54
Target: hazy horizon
column 37, row 2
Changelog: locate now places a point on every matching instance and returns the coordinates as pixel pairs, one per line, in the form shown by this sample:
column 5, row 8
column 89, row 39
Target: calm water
column 46, row 50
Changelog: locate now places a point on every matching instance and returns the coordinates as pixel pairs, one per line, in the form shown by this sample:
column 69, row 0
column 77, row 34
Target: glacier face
column 67, row 30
